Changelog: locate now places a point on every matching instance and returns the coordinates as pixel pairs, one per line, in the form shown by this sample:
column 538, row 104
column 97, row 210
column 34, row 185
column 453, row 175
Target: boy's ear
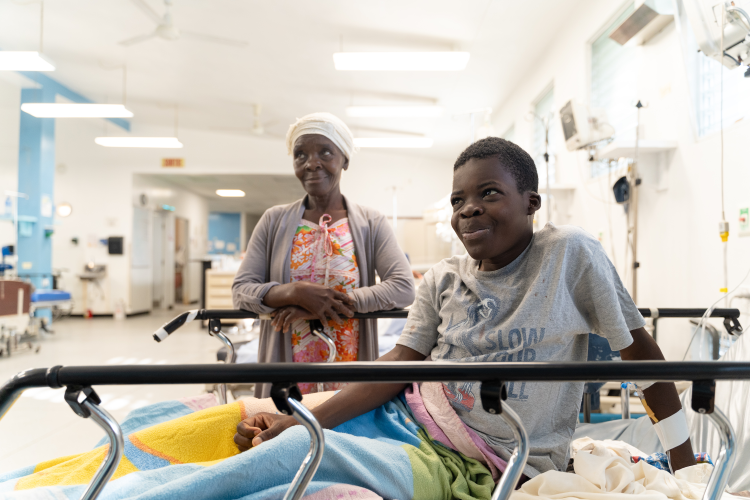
column 534, row 203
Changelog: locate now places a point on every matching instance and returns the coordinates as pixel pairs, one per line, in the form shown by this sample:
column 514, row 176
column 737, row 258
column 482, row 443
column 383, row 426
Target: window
column 704, row 81
column 544, row 109
column 708, row 83
column 614, row 85
column 510, row 134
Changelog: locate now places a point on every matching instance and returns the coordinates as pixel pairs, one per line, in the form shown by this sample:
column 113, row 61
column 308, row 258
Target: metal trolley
column 82, row 398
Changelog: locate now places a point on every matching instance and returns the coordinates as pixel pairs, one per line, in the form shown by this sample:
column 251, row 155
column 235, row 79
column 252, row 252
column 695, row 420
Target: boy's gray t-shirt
column 540, row 307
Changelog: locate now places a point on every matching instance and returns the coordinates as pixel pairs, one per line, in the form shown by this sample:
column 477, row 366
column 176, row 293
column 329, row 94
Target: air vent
column 648, row 19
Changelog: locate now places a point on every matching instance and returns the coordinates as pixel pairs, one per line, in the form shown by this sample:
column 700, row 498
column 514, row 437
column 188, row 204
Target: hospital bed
column 15, row 306
column 80, row 395
column 58, row 302
column 597, row 351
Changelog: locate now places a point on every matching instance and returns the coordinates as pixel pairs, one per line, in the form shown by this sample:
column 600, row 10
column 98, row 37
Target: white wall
column 679, row 247
column 101, row 184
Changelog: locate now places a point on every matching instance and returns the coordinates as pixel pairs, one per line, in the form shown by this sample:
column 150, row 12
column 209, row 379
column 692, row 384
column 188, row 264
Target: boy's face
column 491, row 218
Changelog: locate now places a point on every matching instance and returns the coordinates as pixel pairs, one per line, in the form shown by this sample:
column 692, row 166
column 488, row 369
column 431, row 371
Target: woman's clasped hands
column 311, row 301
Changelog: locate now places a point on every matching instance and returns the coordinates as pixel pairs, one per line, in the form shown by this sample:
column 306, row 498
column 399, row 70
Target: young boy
column 516, row 296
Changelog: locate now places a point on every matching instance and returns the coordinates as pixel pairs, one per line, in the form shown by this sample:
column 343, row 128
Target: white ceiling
column 261, row 191
column 287, row 66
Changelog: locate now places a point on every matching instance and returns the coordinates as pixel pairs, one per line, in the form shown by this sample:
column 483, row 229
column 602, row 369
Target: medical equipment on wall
column 722, row 31
column 583, row 127
column 648, row 18
column 705, row 19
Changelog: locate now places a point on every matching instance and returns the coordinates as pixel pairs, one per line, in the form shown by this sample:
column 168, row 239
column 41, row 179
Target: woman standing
column 316, row 258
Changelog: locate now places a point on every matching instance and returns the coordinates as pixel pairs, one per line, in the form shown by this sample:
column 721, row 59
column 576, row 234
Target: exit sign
column 173, row 162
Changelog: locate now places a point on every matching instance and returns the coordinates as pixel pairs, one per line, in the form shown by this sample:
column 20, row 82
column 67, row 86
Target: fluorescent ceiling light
column 393, row 142
column 400, row 61
column 24, row 61
column 230, row 193
column 66, row 110
column 393, row 111
column 138, row 142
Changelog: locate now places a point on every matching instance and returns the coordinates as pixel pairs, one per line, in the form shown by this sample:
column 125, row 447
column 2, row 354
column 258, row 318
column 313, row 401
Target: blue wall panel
column 224, row 233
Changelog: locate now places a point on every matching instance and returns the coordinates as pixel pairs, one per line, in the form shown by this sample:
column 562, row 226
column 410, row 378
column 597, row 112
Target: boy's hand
column 661, row 398
column 260, row 428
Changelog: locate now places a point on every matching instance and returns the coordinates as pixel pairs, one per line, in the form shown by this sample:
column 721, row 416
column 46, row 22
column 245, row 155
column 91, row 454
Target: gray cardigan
column 267, row 263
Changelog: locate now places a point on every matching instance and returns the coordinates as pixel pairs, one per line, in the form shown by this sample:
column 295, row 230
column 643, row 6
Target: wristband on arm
column 672, row 431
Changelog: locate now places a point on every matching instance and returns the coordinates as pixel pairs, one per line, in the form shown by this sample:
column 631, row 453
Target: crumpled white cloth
column 603, row 471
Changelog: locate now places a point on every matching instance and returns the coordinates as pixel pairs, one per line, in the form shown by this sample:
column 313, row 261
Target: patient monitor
column 583, row 127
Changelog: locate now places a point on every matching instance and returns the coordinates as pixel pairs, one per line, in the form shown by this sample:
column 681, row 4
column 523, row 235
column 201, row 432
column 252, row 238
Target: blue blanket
column 172, row 451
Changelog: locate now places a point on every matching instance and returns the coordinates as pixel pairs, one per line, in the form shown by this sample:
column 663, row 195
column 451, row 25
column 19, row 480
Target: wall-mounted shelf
column 626, row 148
column 557, row 189
column 21, row 218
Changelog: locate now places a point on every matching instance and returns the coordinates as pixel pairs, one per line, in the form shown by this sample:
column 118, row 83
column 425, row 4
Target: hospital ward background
column 145, row 143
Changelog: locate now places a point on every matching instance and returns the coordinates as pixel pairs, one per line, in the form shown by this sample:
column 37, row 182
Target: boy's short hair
column 513, row 157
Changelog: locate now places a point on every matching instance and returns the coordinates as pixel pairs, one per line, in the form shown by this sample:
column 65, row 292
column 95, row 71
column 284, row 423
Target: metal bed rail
column 731, row 317
column 80, row 395
column 214, row 316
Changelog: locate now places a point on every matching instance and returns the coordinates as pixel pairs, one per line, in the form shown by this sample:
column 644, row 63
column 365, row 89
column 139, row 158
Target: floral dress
column 325, row 254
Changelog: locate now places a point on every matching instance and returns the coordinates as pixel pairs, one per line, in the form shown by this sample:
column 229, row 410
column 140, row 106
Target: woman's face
column 318, row 163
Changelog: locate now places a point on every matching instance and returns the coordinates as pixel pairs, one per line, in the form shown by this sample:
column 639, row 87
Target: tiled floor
column 40, row 426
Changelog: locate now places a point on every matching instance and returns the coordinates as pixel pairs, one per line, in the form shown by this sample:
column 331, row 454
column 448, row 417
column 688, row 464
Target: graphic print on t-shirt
column 468, row 340
column 459, row 393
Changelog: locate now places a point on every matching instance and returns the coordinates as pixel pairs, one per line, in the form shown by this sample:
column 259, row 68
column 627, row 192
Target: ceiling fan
column 166, row 29
column 258, row 128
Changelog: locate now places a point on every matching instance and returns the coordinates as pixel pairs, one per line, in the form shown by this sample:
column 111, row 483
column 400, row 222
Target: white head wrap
column 324, row 124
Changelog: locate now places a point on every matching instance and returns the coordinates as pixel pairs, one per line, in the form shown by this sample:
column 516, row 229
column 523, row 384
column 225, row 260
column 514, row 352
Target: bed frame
column 214, row 317
column 80, row 395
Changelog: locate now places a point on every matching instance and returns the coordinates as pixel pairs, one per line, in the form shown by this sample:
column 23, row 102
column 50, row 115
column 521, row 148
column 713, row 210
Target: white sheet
column 603, row 471
column 732, row 397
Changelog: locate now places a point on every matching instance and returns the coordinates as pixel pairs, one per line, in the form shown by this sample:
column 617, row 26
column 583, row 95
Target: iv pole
column 546, row 123
column 635, row 181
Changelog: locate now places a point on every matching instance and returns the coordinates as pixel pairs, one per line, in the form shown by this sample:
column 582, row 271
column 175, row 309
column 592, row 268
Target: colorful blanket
column 185, row 449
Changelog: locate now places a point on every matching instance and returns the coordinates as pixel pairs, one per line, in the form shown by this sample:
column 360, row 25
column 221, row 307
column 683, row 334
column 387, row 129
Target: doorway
column 163, row 248
column 157, row 282
column 181, row 259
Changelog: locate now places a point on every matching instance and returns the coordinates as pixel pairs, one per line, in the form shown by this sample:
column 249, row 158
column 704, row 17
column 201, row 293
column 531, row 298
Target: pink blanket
column 433, row 410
